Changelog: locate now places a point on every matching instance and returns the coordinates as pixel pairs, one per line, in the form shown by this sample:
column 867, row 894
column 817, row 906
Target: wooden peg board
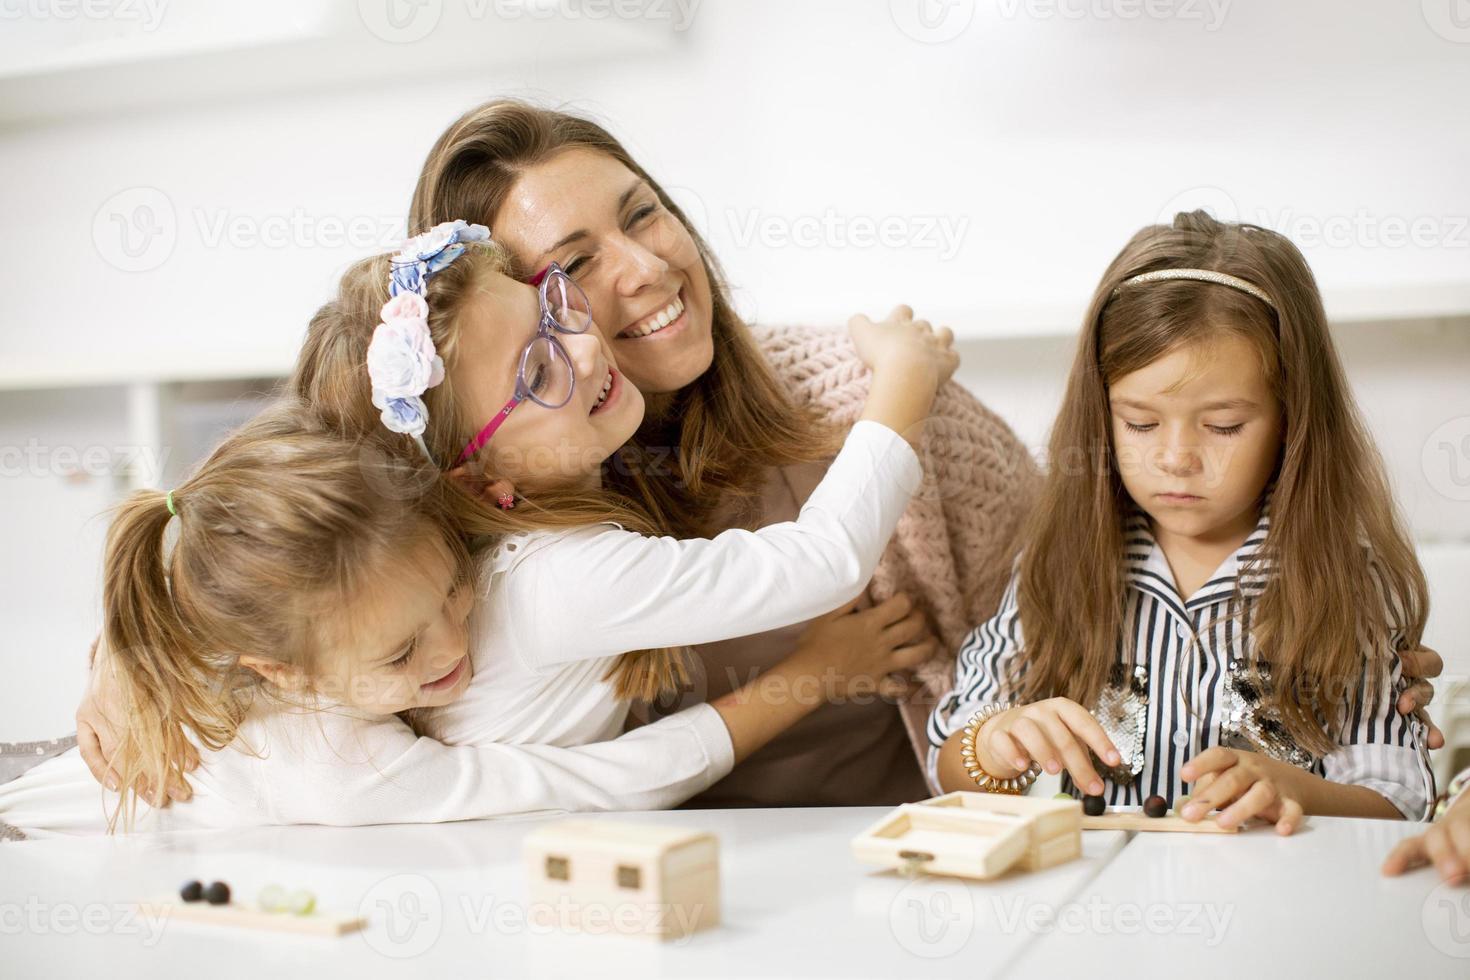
column 1169, row 824
column 248, row 917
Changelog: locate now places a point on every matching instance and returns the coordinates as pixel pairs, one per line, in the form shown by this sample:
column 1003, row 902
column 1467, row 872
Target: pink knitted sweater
column 954, row 547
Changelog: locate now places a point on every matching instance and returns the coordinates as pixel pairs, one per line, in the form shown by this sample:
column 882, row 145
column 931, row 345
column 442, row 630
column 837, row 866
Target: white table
column 449, row 901
column 1262, row 905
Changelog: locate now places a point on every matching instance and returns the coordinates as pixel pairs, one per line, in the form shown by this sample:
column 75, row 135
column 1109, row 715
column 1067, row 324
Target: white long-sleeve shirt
column 559, row 607
column 537, row 729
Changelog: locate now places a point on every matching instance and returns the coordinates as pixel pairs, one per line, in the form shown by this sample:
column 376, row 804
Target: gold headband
column 1199, row 275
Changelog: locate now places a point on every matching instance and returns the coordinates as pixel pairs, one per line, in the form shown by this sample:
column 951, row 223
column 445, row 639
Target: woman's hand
column 1055, row 733
column 1446, row 845
column 1243, row 785
column 1420, row 664
column 101, row 720
column 855, row 651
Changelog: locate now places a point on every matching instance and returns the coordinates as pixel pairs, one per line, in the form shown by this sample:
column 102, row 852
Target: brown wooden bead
column 1155, row 806
column 1094, row 806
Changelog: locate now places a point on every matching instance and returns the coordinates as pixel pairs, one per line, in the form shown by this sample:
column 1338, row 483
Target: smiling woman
column 741, row 426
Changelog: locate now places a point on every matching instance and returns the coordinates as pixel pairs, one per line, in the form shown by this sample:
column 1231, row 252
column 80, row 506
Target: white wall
column 1041, row 143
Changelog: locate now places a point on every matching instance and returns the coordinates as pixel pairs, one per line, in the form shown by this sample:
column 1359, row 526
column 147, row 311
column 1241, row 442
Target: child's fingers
column 1254, row 801
column 902, row 313
column 1224, row 788
column 1086, row 727
column 1407, row 854
column 1454, row 861
column 89, row 746
column 1004, row 745
column 1215, row 759
column 1440, row 851
column 1037, row 745
column 1074, row 756
column 1291, row 818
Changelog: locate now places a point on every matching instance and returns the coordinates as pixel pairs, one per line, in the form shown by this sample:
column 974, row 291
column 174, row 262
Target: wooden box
column 597, row 876
column 974, row 835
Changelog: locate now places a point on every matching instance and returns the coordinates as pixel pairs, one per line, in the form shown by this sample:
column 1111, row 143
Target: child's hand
column 101, row 719
column 910, row 360
column 1446, row 845
column 1243, row 785
column 1056, row 733
column 903, row 344
column 853, row 651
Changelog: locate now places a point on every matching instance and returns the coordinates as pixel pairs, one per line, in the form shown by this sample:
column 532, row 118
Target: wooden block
column 248, row 917
column 1054, row 826
column 598, row 876
column 1132, row 820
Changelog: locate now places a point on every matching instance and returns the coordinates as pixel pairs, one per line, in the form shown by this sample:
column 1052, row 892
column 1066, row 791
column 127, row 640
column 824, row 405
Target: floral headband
column 401, row 359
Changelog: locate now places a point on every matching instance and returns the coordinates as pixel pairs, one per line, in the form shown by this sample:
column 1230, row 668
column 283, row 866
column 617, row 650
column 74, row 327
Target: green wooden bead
column 1062, row 796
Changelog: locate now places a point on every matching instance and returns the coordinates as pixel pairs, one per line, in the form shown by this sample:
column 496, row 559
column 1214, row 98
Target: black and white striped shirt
column 1193, row 654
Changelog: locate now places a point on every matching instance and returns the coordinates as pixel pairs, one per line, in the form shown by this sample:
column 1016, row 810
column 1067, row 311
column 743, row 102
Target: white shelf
column 1382, row 306
column 201, row 51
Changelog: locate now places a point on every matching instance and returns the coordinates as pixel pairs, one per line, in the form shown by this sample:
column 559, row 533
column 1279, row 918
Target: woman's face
column 637, row 263
column 539, row 448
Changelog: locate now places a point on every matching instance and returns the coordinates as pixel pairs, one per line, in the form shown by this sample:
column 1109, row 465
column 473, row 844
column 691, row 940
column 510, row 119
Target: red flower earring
column 507, row 501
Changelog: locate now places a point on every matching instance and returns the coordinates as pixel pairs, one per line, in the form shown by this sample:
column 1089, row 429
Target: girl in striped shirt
column 1216, row 583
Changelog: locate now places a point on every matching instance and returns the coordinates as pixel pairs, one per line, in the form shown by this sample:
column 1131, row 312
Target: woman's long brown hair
column 331, row 376
column 1336, row 544
column 282, row 523
column 726, row 429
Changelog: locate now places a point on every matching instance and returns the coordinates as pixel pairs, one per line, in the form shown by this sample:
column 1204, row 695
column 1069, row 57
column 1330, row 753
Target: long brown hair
column 1335, row 532
column 331, row 376
column 284, row 520
column 727, row 428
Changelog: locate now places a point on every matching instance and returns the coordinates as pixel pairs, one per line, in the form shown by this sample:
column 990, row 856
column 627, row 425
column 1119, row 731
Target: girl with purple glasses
column 531, row 655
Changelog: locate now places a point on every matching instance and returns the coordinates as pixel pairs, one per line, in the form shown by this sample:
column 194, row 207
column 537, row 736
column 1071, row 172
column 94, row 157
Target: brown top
column 854, row 754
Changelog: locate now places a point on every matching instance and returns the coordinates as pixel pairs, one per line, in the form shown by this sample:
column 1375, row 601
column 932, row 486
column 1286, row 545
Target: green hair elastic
column 168, row 501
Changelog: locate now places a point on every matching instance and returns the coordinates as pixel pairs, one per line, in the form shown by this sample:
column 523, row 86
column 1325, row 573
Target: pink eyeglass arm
column 478, row 442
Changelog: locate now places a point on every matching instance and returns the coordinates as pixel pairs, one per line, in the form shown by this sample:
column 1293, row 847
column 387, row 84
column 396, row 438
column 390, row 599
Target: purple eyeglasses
column 545, row 375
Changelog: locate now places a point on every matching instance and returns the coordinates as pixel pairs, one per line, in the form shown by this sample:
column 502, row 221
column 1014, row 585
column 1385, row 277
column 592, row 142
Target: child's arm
column 1380, row 769
column 349, row 771
column 626, row 591
column 1056, row 732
